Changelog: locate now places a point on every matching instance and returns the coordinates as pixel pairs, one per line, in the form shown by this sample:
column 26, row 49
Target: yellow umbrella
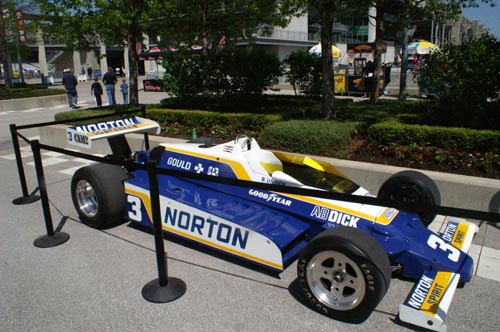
column 421, row 47
column 316, row 49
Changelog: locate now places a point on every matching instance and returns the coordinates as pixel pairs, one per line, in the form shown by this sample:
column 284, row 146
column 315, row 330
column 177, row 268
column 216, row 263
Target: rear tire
column 344, row 273
column 412, row 187
column 98, row 194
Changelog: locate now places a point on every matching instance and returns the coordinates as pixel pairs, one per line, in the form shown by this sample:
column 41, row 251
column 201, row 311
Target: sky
column 489, row 17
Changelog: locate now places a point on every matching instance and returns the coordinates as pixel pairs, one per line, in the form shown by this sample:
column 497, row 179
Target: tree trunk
column 204, row 51
column 379, row 46
column 328, row 107
column 404, row 60
column 133, row 67
column 134, row 79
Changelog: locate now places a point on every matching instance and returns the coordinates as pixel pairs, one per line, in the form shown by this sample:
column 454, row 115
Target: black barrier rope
column 411, row 207
column 52, row 238
column 489, row 217
column 26, row 198
column 165, row 288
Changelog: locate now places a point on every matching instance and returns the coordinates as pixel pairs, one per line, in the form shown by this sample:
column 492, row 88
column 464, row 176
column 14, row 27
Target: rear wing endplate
column 83, row 135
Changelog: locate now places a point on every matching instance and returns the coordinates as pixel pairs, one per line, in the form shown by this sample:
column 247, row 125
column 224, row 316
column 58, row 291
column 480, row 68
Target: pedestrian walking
column 96, row 90
column 124, row 90
column 387, row 76
column 89, row 72
column 70, row 82
column 109, row 79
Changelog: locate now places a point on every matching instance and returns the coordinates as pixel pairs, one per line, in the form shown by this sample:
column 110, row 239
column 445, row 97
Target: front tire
column 344, row 273
column 412, row 187
column 98, row 194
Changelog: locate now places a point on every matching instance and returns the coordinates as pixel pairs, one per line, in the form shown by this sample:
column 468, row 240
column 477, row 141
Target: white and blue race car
column 347, row 252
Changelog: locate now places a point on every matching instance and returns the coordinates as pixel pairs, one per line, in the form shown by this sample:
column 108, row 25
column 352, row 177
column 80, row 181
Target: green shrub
column 246, row 71
column 115, row 112
column 304, row 72
column 310, row 137
column 183, row 76
column 210, row 124
column 462, row 139
column 467, row 78
column 29, row 92
column 249, row 71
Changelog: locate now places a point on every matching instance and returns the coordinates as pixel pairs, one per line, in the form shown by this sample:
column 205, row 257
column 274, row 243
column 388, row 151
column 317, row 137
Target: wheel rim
column 86, row 198
column 336, row 280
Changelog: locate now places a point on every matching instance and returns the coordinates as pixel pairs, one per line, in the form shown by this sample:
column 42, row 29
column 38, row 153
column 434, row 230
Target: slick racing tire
column 344, row 273
column 98, row 194
column 412, row 187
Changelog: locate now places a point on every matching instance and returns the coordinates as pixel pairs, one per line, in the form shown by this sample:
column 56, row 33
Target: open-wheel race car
column 346, row 252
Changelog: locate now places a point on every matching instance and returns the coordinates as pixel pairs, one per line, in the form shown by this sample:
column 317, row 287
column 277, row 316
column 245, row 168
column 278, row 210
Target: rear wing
column 428, row 303
column 83, row 135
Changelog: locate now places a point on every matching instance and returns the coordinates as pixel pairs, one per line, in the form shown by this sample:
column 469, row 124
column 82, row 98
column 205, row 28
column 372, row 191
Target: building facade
column 302, row 33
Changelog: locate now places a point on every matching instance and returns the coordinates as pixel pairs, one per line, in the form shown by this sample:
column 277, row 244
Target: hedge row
column 16, row 93
column 320, row 137
column 202, row 119
column 388, row 132
column 113, row 111
column 289, row 107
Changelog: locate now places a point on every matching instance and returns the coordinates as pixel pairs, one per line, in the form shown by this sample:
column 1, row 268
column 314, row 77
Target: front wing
column 428, row 303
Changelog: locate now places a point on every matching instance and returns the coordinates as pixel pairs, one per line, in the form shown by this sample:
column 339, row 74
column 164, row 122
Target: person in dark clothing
column 96, row 90
column 109, row 79
column 387, row 76
column 70, row 82
column 368, row 73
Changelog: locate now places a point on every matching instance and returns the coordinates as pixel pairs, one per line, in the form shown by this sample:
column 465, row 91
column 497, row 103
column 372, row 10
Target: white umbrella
column 421, row 47
column 316, row 49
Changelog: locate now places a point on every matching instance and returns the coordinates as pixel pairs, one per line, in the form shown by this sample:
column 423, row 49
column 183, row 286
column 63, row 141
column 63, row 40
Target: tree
column 467, row 77
column 405, row 13
column 11, row 43
column 85, row 23
column 214, row 24
column 328, row 11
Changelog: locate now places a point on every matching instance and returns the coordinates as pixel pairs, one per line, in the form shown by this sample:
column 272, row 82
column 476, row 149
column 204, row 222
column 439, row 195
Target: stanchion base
column 154, row 292
column 47, row 241
column 26, row 200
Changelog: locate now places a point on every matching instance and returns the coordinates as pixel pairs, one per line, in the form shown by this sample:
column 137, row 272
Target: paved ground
column 86, row 100
column 93, row 282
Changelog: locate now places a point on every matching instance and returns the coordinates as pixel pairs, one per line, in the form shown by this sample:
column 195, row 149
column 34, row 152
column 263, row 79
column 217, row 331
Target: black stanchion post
column 164, row 289
column 52, row 238
column 26, row 198
column 146, row 135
